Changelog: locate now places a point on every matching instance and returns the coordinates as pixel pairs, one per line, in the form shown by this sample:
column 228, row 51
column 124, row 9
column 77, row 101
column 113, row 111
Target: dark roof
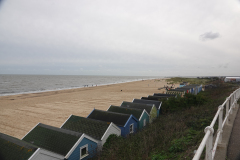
column 147, row 107
column 191, row 86
column 163, row 95
column 175, row 92
column 117, row 118
column 54, row 139
column 15, row 149
column 179, row 89
column 91, row 127
column 135, row 112
column 154, row 98
column 145, row 101
column 194, row 85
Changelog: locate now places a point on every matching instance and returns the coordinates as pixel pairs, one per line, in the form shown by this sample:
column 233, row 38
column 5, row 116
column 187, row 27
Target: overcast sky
column 127, row 37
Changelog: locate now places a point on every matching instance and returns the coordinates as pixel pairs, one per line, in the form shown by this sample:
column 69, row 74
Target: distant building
column 232, row 79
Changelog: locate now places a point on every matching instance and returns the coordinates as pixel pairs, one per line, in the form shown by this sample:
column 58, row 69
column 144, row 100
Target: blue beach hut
column 127, row 123
column 141, row 114
column 69, row 144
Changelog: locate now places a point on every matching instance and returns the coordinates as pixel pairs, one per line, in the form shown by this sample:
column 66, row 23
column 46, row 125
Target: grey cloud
column 223, row 65
column 92, row 38
column 1, row 2
column 226, row 65
column 209, row 36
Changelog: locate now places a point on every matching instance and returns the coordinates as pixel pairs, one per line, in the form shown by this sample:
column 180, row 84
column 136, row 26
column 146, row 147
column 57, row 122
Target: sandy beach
column 20, row 113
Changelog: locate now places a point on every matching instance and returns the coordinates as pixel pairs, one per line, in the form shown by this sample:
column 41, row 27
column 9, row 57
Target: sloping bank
column 176, row 133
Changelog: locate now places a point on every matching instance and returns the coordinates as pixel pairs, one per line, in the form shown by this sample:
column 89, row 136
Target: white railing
column 231, row 102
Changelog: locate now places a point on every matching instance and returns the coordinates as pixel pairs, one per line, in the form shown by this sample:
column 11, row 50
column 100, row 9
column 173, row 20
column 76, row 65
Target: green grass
column 176, row 133
column 189, row 80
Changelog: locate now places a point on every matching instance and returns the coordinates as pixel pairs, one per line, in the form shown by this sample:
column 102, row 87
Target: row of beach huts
column 81, row 138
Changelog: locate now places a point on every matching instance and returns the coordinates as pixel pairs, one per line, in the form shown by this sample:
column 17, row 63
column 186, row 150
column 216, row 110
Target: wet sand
column 20, row 113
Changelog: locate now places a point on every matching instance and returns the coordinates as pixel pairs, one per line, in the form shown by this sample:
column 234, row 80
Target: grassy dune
column 202, row 81
column 176, row 133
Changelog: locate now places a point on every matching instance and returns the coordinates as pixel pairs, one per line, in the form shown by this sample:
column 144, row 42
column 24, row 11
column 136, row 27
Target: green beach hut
column 150, row 108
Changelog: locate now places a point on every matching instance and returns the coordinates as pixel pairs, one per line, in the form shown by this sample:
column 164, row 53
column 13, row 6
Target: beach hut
column 187, row 90
column 127, row 123
column 182, row 84
column 150, row 108
column 155, row 98
column 196, row 88
column 144, row 101
column 164, row 95
column 199, row 87
column 192, row 89
column 15, row 149
column 99, row 130
column 140, row 114
column 69, row 144
column 176, row 92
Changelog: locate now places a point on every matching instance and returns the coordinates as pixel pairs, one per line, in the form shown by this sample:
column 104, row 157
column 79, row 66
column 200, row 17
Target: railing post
column 220, row 120
column 234, row 98
column 209, row 143
column 230, row 105
column 227, row 109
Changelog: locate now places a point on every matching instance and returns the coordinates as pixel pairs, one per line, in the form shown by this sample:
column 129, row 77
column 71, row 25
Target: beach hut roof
column 54, row 139
column 154, row 98
column 147, row 107
column 144, row 101
column 135, row 112
column 13, row 148
column 179, row 89
column 192, row 85
column 157, row 97
column 188, row 87
column 119, row 119
column 163, row 95
column 91, row 127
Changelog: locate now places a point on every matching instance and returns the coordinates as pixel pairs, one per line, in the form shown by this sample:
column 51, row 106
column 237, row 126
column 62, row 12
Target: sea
column 21, row 84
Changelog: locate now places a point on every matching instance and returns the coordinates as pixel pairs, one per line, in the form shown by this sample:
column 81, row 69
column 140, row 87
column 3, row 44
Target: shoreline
column 65, row 90
column 61, row 89
column 20, row 113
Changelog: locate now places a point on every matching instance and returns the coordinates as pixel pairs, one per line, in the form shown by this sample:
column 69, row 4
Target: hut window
column 144, row 122
column 84, row 151
column 131, row 128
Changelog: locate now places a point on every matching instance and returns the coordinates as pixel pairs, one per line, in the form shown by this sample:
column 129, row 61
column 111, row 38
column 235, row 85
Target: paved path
column 233, row 151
